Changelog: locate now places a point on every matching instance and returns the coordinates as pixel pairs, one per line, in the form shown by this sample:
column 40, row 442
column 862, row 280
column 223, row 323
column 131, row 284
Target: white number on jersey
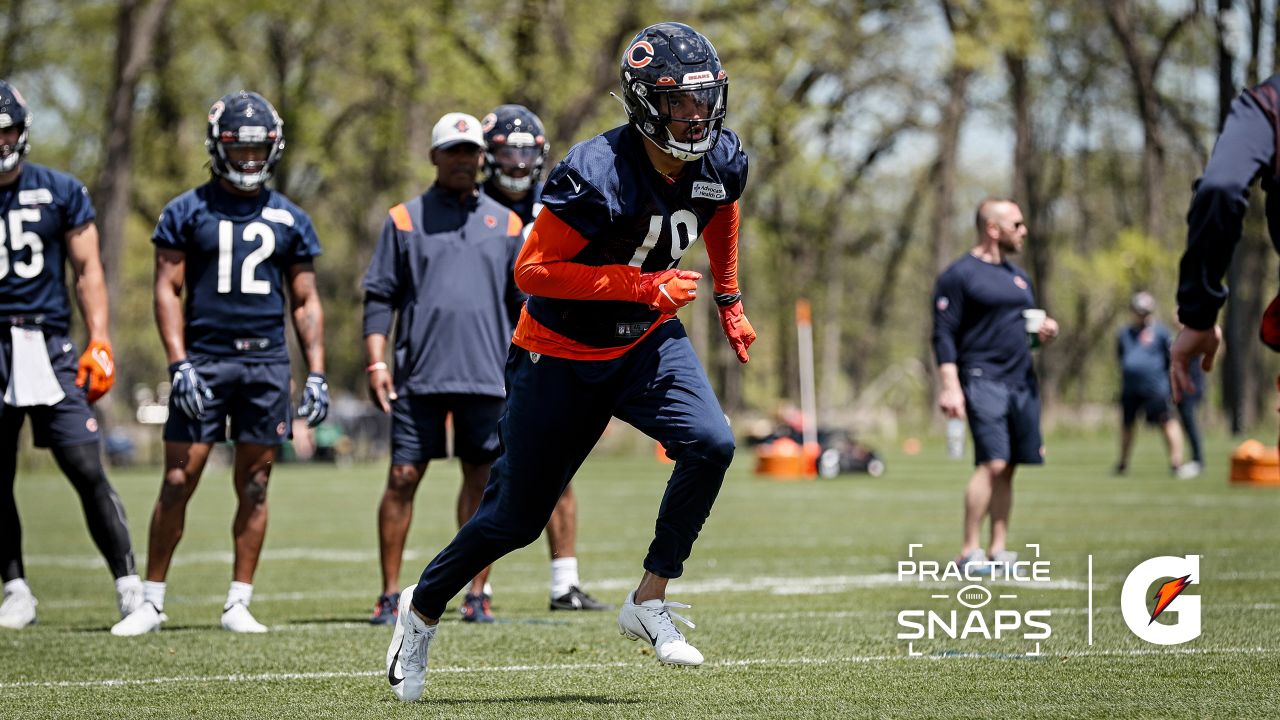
column 18, row 239
column 684, row 225
column 249, row 282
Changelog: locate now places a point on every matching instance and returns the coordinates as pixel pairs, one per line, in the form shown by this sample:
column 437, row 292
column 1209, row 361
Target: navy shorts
column 253, row 395
column 418, row 428
column 1157, row 408
column 1005, row 422
column 68, row 423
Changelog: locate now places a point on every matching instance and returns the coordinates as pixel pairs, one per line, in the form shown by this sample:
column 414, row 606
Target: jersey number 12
column 249, row 283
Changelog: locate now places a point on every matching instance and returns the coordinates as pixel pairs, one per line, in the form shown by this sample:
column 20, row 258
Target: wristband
column 727, row 299
column 376, row 367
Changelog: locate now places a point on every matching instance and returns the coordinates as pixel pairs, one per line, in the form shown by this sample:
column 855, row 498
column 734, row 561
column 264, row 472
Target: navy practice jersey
column 978, row 323
column 238, row 250
column 609, row 192
column 526, row 207
column 36, row 212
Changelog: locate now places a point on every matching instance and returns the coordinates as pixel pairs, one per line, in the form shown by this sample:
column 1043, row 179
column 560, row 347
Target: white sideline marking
column 566, row 667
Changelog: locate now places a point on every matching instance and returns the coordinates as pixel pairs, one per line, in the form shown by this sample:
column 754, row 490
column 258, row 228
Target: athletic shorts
column 253, row 396
column 67, row 423
column 418, row 428
column 1004, row 421
column 1156, row 408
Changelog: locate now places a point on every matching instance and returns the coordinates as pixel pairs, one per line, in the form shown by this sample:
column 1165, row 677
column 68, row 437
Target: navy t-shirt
column 37, row 211
column 238, row 250
column 1144, row 359
column 978, row 323
column 609, row 192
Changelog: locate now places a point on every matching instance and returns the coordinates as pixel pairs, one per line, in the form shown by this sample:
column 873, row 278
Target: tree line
column 873, row 128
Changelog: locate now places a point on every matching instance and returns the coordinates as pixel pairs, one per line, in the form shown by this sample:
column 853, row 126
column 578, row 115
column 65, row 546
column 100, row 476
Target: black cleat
column 386, row 609
column 576, row 599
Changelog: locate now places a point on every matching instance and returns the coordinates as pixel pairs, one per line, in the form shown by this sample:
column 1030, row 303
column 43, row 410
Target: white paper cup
column 1034, row 318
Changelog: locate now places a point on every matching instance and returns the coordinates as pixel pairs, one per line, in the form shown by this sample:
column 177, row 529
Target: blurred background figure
column 1142, row 348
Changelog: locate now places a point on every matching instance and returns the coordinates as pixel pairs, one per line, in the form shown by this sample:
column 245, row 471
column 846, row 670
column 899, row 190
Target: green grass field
column 792, row 584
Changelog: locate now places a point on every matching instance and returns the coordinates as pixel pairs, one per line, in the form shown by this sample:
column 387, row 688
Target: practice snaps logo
column 1180, row 612
column 969, row 611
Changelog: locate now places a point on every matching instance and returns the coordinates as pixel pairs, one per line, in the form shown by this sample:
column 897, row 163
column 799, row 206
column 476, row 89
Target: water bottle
column 955, row 438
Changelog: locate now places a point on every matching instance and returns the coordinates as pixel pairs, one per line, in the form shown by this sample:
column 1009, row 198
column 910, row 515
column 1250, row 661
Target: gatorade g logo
column 1175, row 575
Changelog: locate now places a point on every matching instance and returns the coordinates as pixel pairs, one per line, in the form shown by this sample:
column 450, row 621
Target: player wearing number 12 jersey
column 235, row 247
column 599, row 338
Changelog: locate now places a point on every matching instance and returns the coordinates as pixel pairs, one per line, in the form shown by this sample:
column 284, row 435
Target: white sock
column 153, row 592
column 488, row 590
column 17, row 585
column 564, row 575
column 128, row 582
column 239, row 593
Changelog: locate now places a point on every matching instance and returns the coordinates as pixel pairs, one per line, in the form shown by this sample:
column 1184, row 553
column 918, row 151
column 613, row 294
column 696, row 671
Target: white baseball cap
column 455, row 128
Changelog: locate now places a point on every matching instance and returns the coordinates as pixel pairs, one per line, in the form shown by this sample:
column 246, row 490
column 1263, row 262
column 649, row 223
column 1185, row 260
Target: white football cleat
column 651, row 620
column 237, row 618
column 407, row 654
column 145, row 619
column 18, row 610
column 128, row 595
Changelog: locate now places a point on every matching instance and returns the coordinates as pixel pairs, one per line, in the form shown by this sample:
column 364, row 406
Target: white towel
column 31, row 377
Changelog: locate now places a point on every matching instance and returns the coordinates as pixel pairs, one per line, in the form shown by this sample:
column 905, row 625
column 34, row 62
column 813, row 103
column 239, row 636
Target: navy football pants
column 556, row 411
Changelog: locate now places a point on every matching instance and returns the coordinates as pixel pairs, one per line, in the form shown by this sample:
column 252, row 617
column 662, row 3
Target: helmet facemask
column 13, row 113
column 515, row 164
column 684, row 122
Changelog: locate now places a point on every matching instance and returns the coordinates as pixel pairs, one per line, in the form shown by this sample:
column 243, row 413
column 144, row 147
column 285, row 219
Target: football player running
column 516, row 152
column 47, row 220
column 235, row 247
column 598, row 338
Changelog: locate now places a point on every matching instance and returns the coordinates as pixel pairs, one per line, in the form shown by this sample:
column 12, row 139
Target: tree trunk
column 136, row 25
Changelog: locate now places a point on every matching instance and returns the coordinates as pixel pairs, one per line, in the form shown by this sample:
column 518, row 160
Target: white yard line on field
column 576, row 667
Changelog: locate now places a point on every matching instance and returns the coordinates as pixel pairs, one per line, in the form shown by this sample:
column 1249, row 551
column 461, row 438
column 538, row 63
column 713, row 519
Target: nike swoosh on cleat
column 652, row 639
column 391, row 671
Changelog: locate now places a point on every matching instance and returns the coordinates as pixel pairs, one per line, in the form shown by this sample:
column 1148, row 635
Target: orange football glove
column 669, row 290
column 97, row 370
column 737, row 328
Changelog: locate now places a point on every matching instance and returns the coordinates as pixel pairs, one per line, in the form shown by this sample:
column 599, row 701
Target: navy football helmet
column 238, row 120
column 13, row 113
column 671, row 73
column 517, row 147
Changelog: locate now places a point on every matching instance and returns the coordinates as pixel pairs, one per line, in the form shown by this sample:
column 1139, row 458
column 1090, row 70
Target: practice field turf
column 793, row 587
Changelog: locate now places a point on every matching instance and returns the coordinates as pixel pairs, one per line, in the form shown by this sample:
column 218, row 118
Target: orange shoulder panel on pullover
column 400, row 216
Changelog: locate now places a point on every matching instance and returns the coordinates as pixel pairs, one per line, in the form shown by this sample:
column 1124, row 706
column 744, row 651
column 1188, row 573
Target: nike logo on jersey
column 391, row 671
column 576, row 187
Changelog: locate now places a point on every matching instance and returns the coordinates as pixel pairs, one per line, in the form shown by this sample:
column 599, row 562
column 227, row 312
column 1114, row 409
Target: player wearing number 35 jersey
column 599, row 338
column 234, row 247
column 46, row 221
